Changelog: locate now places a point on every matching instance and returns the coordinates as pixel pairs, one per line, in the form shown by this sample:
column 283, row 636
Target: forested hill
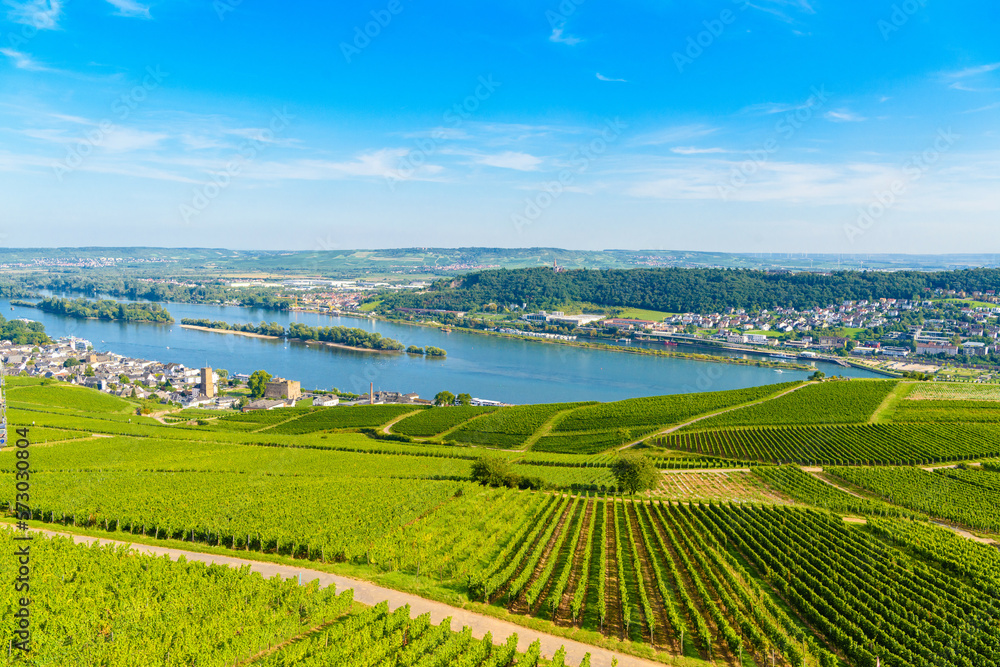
column 687, row 290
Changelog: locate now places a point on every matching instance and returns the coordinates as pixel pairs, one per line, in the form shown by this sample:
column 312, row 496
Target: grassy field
column 831, row 402
column 681, row 578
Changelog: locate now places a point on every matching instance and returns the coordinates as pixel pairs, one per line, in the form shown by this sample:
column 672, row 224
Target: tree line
column 348, row 336
column 105, row 310
column 23, row 333
column 685, row 290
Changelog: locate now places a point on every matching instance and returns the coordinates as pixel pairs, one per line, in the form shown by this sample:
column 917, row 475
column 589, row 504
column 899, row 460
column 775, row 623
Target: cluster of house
column 738, row 327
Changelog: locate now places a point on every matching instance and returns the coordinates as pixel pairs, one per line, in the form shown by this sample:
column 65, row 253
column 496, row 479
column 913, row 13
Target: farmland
column 434, row 422
column 310, row 625
column 867, row 444
column 509, row 428
column 826, row 403
column 637, row 413
column 749, row 564
column 971, row 498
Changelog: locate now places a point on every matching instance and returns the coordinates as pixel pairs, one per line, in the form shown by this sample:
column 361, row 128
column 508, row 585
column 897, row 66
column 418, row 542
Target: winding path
column 370, row 594
column 714, row 414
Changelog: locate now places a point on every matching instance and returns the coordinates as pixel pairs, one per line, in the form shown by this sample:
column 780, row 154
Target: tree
column 818, row 375
column 124, row 379
column 444, row 398
column 624, row 435
column 634, row 472
column 493, row 471
column 258, row 383
column 71, row 363
column 222, row 373
column 89, row 372
column 465, row 399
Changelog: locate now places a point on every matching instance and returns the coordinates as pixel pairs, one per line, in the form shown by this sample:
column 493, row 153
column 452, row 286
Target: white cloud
column 974, row 71
column 843, row 116
column 674, row 134
column 692, row 150
column 510, row 160
column 130, row 8
column 558, row 38
column 24, row 61
column 601, row 77
column 41, row 14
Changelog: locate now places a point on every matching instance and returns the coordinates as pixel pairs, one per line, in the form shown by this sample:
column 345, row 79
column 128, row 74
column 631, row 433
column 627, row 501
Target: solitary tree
column 493, row 471
column 444, row 398
column 258, row 383
column 634, row 472
column 465, row 399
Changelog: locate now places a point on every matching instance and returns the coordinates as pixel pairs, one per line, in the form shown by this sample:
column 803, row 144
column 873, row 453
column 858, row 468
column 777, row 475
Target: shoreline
column 247, row 334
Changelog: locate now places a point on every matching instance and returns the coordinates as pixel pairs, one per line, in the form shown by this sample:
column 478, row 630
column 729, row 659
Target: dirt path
column 714, row 414
column 371, row 594
column 385, row 429
column 817, row 473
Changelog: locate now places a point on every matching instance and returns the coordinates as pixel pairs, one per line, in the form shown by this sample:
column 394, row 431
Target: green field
column 759, row 564
column 637, row 413
column 862, row 444
column 830, row 402
column 436, row 421
column 509, row 428
column 971, row 498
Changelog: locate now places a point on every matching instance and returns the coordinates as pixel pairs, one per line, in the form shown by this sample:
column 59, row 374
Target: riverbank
column 341, row 346
column 247, row 334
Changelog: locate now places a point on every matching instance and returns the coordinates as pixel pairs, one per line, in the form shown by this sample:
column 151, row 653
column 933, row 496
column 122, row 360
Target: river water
column 490, row 367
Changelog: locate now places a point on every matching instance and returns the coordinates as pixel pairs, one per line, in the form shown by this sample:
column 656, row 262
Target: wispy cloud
column 843, row 116
column 130, row 8
column 41, row 14
column 973, row 71
column 777, row 7
column 25, row 61
column 558, row 37
column 988, row 107
column 673, row 135
column 510, row 160
column 601, row 77
column 692, row 150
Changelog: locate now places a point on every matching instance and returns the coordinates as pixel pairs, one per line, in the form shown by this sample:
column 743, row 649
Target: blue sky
column 743, row 126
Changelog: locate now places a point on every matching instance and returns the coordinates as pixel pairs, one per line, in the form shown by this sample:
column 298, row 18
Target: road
column 370, row 594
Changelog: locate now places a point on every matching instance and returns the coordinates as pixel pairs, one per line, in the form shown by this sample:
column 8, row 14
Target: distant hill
column 449, row 261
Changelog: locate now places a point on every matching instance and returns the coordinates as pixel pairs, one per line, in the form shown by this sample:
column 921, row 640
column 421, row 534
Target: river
column 490, row 367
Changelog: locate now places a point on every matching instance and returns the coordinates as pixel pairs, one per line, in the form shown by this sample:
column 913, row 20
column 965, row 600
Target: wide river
column 491, row 367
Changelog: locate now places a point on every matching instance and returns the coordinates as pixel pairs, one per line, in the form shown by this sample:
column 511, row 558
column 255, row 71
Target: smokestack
column 371, row 395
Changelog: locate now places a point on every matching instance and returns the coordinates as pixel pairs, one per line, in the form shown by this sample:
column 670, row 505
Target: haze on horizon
column 738, row 126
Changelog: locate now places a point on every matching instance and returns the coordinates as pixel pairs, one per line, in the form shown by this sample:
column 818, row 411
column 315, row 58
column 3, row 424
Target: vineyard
column 377, row 636
column 832, row 402
column 329, row 519
column 726, row 561
column 863, row 444
column 673, row 575
column 947, row 411
column 509, row 428
column 103, row 605
column 805, row 488
column 737, row 486
column 639, row 413
column 971, row 498
column 436, row 421
column 326, row 419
